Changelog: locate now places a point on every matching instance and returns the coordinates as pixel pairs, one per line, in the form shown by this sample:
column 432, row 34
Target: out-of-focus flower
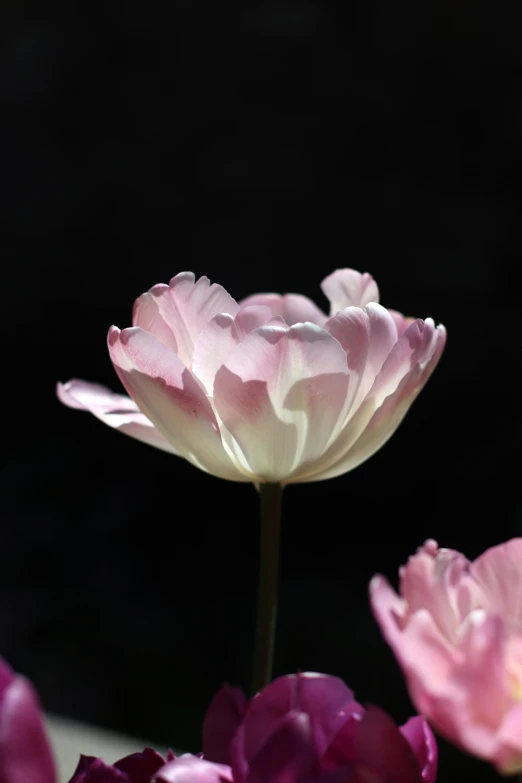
column 136, row 768
column 25, row 753
column 456, row 630
column 267, row 390
column 305, row 728
column 194, row 769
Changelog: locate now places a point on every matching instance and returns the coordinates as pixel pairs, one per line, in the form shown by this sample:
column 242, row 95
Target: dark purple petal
column 192, row 769
column 25, row 753
column 422, row 741
column 140, row 767
column 342, row 750
column 289, row 754
column 238, row 761
column 327, row 700
column 222, row 720
column 382, row 750
column 93, row 770
column 6, row 677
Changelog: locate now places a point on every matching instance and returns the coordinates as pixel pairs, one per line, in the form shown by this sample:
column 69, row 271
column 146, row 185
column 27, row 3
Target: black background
column 263, row 145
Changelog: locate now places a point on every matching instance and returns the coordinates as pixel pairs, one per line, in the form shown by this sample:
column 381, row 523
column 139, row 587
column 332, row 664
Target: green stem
column 270, row 500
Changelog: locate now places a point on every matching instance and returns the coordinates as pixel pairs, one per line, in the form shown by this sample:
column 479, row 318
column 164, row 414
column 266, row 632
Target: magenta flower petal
column 308, row 727
column 383, row 750
column 289, row 754
column 141, row 767
column 25, row 753
column 223, row 718
column 372, row 745
column 422, row 741
column 94, row 770
column 192, row 769
column 327, row 700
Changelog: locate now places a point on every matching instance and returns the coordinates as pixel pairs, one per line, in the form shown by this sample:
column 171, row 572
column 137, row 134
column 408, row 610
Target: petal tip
column 376, row 582
column 113, row 335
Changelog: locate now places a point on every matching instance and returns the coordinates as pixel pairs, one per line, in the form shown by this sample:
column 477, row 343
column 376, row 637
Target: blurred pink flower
column 267, row 390
column 305, row 728
column 456, row 630
column 25, row 753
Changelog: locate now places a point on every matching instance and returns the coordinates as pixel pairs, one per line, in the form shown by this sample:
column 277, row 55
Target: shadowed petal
column 93, row 770
column 422, row 741
column 222, row 720
column 25, row 753
column 289, row 753
column 140, row 767
column 293, row 308
column 382, row 749
column 116, row 410
column 327, row 700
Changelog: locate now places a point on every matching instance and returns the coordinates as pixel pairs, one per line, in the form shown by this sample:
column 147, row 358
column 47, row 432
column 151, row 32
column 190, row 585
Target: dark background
column 263, row 145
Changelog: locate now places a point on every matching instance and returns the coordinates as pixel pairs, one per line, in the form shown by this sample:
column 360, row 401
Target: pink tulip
column 456, row 629
column 268, row 390
column 25, row 754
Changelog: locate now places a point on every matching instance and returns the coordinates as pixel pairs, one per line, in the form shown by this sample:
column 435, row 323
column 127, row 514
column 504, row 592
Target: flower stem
column 270, row 500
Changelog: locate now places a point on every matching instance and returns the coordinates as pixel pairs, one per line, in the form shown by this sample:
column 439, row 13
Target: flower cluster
column 271, row 390
column 302, row 728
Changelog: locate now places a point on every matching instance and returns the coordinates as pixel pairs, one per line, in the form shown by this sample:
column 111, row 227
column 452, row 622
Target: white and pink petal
column 220, row 336
column 172, row 398
column 115, row 410
column 293, row 308
column 347, row 288
column 289, row 384
column 176, row 313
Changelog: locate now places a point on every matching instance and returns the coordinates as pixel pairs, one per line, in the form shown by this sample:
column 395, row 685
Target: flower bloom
column 270, row 389
column 25, row 754
column 136, row 768
column 456, row 630
column 305, row 728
